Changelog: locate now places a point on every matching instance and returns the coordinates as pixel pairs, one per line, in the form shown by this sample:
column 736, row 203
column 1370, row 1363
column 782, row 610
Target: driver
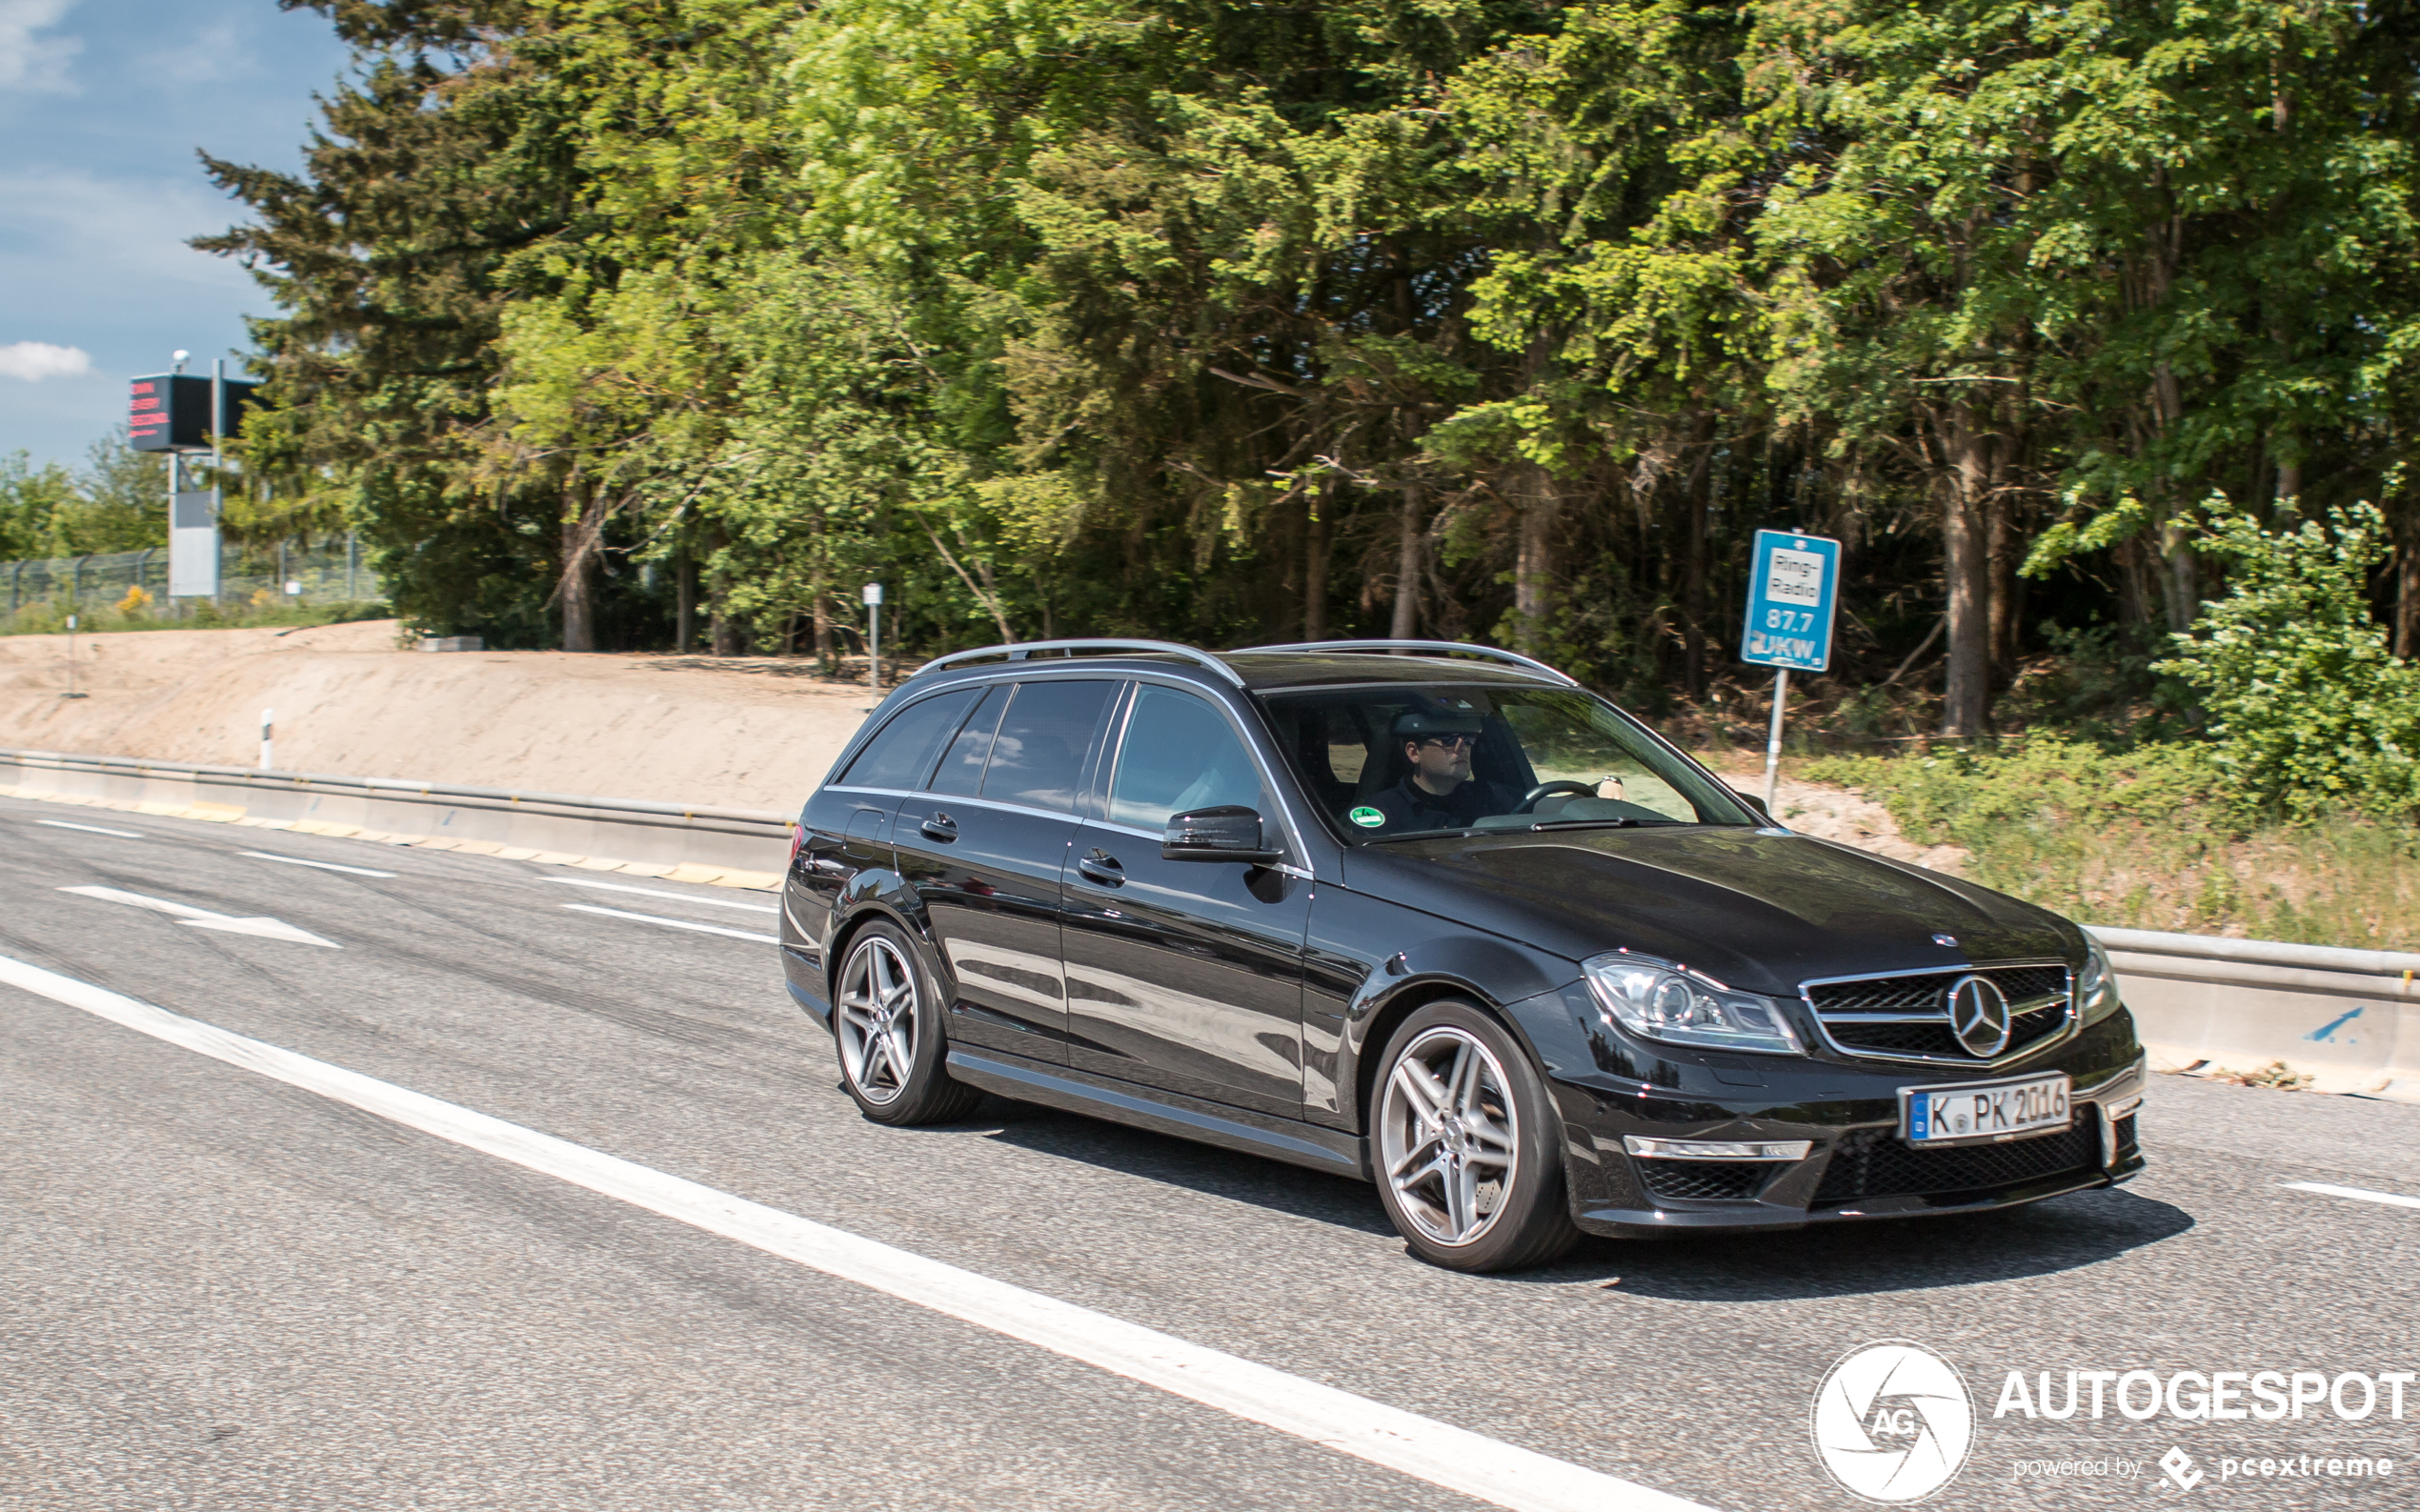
column 1437, row 792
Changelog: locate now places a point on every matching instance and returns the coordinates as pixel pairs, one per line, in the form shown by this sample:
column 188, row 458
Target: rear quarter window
column 902, row 752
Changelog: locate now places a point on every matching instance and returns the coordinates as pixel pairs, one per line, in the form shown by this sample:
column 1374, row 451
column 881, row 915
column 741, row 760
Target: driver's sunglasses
column 1452, row 740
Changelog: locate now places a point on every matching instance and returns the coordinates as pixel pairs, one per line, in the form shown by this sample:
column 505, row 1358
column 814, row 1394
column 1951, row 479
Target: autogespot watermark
column 1893, row 1423
column 2239, row 1396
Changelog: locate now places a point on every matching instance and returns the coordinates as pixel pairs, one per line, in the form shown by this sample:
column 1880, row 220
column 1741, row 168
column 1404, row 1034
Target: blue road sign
column 1793, row 589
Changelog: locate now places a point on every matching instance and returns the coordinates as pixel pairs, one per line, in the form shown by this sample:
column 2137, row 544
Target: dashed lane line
column 675, row 923
column 92, row 829
column 1456, row 1459
column 204, row 919
column 2357, row 1194
column 325, row 866
column 658, row 892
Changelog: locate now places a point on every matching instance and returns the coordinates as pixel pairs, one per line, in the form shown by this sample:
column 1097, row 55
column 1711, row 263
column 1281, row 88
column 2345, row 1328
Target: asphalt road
column 222, row 1291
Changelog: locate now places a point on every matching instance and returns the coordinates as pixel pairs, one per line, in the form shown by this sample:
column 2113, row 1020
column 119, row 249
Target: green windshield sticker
column 1368, row 818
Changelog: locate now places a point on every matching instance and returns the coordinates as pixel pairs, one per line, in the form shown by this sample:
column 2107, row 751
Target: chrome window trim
column 953, row 800
column 2071, row 1025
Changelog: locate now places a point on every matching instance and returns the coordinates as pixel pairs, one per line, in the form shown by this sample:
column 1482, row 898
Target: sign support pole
column 1773, row 739
column 873, row 636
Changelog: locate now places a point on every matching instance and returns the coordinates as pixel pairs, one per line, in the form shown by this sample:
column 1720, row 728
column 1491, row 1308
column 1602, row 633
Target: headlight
column 2096, row 990
column 1661, row 1000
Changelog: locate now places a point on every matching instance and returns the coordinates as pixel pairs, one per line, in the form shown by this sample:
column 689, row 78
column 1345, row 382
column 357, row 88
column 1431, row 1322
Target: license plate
column 1985, row 1113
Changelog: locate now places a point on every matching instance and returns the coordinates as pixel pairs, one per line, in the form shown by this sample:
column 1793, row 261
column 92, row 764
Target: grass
column 264, row 608
column 2145, row 840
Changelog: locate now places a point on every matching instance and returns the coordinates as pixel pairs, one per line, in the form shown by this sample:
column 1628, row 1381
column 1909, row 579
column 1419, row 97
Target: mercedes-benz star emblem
column 1979, row 1016
column 1946, row 941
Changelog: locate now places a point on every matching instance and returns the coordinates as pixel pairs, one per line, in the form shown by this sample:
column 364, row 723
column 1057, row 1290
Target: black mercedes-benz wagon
column 1435, row 917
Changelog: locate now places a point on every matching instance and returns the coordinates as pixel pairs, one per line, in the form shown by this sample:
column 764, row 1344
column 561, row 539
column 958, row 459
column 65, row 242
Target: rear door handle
column 939, row 827
column 1101, row 867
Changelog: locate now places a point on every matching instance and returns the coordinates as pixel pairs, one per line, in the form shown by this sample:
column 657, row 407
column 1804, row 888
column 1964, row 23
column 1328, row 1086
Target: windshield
column 1398, row 759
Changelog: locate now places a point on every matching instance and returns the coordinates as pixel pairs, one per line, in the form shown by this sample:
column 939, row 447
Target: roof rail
column 1430, row 647
column 1020, row 650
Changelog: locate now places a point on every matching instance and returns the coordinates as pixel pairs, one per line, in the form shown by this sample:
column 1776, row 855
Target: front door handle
column 1101, row 867
column 939, row 827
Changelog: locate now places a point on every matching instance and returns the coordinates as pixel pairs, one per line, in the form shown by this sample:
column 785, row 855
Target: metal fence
column 288, row 573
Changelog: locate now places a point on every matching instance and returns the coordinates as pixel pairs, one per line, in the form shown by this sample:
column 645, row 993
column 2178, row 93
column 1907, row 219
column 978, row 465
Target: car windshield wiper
column 1623, row 823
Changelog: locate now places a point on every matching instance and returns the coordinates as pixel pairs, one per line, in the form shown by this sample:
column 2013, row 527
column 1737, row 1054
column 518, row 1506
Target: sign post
column 181, row 415
column 1793, row 589
column 874, row 635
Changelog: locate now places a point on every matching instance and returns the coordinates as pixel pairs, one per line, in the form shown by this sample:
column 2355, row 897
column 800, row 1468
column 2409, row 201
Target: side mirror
column 1232, row 832
column 1753, row 801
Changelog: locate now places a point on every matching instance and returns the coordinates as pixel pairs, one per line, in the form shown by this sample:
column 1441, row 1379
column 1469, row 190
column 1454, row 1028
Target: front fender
column 1494, row 971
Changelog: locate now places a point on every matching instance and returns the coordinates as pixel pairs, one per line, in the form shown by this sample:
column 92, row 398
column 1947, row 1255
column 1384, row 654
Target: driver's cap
column 1414, row 724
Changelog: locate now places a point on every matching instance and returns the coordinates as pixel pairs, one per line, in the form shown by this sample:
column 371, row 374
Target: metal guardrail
column 2268, row 953
column 2348, row 1019
column 407, row 790
column 2345, row 1020
column 632, row 830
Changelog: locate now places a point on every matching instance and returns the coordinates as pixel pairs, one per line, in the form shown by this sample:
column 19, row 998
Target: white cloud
column 31, row 62
column 215, row 54
column 36, row 360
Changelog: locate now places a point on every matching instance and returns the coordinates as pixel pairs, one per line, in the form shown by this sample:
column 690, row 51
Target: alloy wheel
column 1448, row 1136
column 877, row 1021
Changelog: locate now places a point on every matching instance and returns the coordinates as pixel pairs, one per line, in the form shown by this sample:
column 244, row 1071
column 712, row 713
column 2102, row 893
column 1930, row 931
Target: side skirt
column 1287, row 1140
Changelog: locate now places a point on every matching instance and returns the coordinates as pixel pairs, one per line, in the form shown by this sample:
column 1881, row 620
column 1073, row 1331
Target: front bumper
column 1858, row 1167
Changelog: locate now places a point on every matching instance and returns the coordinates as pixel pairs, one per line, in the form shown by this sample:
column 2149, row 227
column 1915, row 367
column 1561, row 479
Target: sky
column 102, row 104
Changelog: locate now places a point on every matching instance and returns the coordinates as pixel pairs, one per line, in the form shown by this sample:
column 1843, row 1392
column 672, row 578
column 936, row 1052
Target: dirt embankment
column 750, row 732
column 746, row 733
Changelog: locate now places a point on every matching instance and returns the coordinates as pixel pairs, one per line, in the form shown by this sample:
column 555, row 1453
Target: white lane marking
column 325, row 866
column 1456, row 1459
column 204, row 919
column 2325, row 1189
column 677, row 923
column 658, row 892
column 90, row 829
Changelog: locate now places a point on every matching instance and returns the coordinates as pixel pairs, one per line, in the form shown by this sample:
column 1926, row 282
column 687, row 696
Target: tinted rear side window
column 1039, row 758
column 903, row 753
column 961, row 769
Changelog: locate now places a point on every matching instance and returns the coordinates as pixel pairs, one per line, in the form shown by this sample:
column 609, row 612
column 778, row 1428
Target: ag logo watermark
column 1893, row 1421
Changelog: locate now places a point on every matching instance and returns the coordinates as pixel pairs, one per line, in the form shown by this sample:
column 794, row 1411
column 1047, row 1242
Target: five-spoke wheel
column 1447, row 1133
column 877, row 1021
column 888, row 1027
column 1467, row 1144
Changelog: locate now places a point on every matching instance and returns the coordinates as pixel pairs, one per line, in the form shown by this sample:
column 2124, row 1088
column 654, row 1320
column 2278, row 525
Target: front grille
column 2038, row 994
column 1874, row 1163
column 1934, row 1040
column 1704, row 1181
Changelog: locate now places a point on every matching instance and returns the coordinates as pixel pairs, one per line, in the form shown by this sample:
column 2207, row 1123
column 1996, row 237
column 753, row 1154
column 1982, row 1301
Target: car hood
column 1757, row 909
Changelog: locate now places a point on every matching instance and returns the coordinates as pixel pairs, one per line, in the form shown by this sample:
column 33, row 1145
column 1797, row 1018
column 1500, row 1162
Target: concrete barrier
column 737, row 847
column 2348, row 1019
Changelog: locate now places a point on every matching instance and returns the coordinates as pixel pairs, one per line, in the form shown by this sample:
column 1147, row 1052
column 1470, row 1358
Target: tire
column 1468, row 1144
column 886, row 1023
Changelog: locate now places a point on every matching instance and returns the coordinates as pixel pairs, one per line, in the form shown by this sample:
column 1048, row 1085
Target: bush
column 2149, row 839
column 2309, row 712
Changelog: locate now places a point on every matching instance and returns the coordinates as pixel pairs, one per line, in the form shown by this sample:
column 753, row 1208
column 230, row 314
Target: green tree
column 31, row 499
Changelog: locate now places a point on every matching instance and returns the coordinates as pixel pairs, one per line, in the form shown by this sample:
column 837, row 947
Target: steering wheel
column 1529, row 799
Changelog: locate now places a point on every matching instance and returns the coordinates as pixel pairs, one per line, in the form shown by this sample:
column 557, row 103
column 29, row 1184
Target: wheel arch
column 1487, row 973
column 872, row 910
